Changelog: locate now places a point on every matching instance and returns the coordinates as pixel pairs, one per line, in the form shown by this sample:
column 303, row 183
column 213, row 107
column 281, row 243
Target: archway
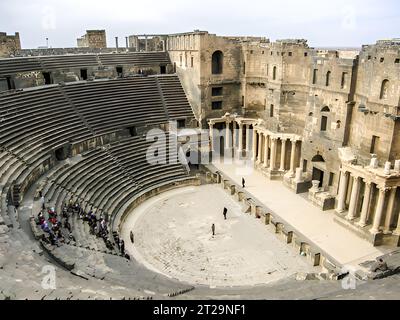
column 217, row 62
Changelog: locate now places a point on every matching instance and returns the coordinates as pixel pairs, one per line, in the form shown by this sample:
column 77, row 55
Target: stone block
column 397, row 166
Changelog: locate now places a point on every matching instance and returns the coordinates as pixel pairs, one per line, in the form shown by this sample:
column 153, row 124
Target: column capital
column 367, row 182
column 383, row 189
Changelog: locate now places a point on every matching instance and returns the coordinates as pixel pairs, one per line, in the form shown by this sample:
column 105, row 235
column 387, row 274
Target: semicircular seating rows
column 104, row 174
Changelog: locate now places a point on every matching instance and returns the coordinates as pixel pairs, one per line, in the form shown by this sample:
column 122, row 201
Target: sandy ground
column 173, row 236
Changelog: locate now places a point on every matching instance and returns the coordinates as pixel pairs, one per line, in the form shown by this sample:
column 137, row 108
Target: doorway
column 84, row 74
column 10, row 83
column 318, row 174
column 47, row 78
column 119, row 72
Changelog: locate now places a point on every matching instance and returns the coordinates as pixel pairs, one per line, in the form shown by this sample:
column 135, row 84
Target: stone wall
column 93, row 39
column 147, row 43
column 9, row 45
column 329, row 97
column 374, row 115
column 191, row 53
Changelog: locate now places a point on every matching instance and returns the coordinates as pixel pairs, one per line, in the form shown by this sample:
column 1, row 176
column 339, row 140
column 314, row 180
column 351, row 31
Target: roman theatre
column 117, row 164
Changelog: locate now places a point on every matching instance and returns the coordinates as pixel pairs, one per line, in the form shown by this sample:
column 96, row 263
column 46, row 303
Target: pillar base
column 375, row 238
column 340, row 210
column 387, row 232
column 290, row 174
column 361, row 224
column 374, row 231
column 350, row 218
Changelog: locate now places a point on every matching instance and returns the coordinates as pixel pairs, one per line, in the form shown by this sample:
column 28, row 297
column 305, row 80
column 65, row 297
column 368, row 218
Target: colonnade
column 372, row 204
column 265, row 146
column 259, row 144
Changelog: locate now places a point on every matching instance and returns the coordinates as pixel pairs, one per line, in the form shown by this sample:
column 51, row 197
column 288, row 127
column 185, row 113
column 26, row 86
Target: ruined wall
column 152, row 43
column 276, row 83
column 228, row 80
column 184, row 52
column 9, row 45
column 290, row 88
column 375, row 111
column 93, row 39
column 254, row 79
column 327, row 113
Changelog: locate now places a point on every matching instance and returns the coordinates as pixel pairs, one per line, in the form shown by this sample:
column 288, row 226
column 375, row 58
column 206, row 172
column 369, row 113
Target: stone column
column 211, row 126
column 248, row 139
column 227, row 136
column 260, row 135
column 234, row 136
column 265, row 150
column 379, row 210
column 240, row 147
column 273, row 153
column 283, row 155
column 145, row 43
column 344, row 178
column 254, row 148
column 355, row 192
column 366, row 204
column 293, row 157
column 390, row 209
column 397, row 231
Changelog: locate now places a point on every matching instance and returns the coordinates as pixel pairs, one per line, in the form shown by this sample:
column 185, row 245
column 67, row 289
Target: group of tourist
column 58, row 227
column 98, row 226
column 52, row 227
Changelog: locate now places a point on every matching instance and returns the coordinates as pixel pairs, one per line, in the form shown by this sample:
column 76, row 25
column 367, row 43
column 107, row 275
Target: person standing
column 122, row 247
column 42, row 201
column 243, row 183
column 225, row 212
column 131, row 236
column 213, row 229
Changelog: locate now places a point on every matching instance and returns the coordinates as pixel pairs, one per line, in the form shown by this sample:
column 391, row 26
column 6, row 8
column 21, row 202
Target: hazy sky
column 323, row 23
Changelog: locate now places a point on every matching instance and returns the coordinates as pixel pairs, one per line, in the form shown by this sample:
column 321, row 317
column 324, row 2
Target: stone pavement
column 315, row 224
column 173, row 235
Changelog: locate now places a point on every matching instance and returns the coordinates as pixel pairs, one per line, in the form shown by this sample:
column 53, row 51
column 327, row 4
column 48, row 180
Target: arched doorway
column 217, row 61
column 318, row 163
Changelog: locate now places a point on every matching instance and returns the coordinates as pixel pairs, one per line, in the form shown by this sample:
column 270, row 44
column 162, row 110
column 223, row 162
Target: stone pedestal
column 374, row 163
column 315, row 185
column 299, row 175
column 388, row 166
column 397, row 166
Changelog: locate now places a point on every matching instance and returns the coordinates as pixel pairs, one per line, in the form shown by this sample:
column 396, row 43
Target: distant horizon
column 340, row 23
